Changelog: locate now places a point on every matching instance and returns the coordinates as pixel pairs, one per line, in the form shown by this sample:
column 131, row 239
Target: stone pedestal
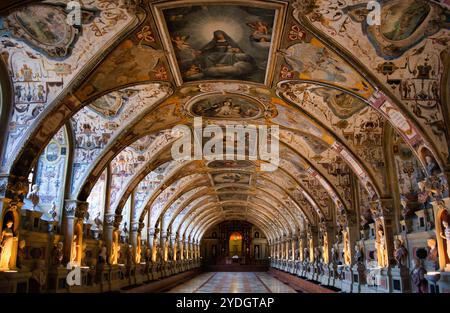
column 131, row 274
column 347, row 281
column 156, row 274
column 400, row 280
column 359, row 278
column 332, row 268
column 14, row 282
column 384, row 281
column 140, row 274
column 103, row 277
column 57, row 280
column 116, row 275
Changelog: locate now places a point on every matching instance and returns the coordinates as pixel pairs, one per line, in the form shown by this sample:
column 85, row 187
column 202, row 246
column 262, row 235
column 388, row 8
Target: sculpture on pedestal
column 347, row 257
column 433, row 256
column 424, row 196
column 102, row 256
column 359, row 255
column 124, row 234
column 432, row 167
column 52, row 213
column 115, row 249
column 74, row 250
column 381, row 247
column 6, row 244
column 305, row 256
column 400, row 253
column 334, row 255
column 406, row 210
column 418, row 280
column 33, row 196
column 148, row 255
column 129, row 256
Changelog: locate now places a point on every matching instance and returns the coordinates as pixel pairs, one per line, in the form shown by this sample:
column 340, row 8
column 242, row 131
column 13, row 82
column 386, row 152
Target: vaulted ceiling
column 338, row 88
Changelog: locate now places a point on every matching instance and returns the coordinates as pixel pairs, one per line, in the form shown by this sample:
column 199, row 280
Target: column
column 134, row 227
column 164, row 246
column 382, row 213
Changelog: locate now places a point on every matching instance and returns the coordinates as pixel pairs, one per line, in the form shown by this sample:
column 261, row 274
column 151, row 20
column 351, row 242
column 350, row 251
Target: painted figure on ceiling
column 222, row 56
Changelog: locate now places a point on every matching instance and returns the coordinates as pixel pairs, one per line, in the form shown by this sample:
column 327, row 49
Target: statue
column 334, row 255
column 418, row 280
column 380, row 245
column 129, row 256
column 83, row 254
column 400, row 253
column 6, row 243
column 305, row 255
column 433, row 257
column 326, row 257
column 74, row 250
column 432, row 168
column 148, row 255
column 21, row 254
column 406, row 211
column 52, row 213
column 446, row 233
column 92, row 273
column 58, row 254
column 347, row 257
column 424, row 196
column 359, row 255
column 138, row 254
column 115, row 249
column 98, row 222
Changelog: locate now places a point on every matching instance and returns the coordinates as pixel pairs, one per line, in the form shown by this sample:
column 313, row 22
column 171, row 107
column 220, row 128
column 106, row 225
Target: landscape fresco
column 221, row 41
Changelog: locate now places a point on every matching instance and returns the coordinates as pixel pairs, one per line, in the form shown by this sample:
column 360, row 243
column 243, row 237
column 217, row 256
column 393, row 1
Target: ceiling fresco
column 361, row 109
column 221, row 41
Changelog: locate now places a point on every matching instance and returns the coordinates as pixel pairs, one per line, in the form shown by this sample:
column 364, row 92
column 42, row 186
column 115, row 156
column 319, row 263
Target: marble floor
column 233, row 282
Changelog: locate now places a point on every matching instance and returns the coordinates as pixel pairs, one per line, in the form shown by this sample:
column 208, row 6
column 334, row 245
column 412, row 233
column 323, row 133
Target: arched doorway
column 235, row 244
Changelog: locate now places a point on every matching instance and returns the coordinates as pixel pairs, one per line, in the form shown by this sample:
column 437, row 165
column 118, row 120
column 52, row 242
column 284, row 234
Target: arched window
column 256, row 234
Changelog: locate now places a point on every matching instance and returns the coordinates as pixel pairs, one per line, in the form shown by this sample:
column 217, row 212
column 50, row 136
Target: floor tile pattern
column 233, row 282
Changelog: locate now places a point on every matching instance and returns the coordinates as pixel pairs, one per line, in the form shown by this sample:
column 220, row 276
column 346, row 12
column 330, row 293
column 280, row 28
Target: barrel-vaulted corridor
column 245, row 142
